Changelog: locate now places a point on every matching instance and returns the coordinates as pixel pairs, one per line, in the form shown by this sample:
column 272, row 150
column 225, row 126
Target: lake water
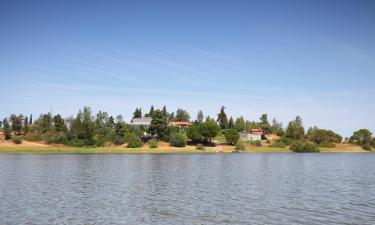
column 269, row 188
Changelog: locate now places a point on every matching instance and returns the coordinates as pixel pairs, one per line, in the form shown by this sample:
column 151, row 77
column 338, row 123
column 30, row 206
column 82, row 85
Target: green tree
column 231, row 123
column 264, row 124
column 361, row 137
column 137, row 113
column 240, row 124
column 200, row 117
column 295, row 129
column 277, row 128
column 159, row 124
column 193, row 133
column 320, row 136
column 58, row 123
column 222, row 118
column 209, row 130
column 26, row 125
column 6, row 129
column 16, row 122
column 151, row 112
column 232, row 136
column 178, row 139
column 31, row 119
column 182, row 115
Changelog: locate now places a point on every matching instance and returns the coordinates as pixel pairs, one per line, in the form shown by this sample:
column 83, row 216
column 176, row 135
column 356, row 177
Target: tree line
column 86, row 129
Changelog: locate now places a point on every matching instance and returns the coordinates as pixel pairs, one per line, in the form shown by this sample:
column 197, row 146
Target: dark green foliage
column 295, row 129
column 6, row 129
column 31, row 119
column 17, row 140
column 152, row 143
column 209, row 130
column 264, row 124
column 299, row 146
column 222, row 118
column 43, row 123
column 25, row 125
column 320, row 136
column 232, row 136
column 134, row 141
column 182, row 116
column 231, row 123
column 361, row 137
column 16, row 122
column 193, row 133
column 200, row 147
column 137, row 113
column 240, row 124
column 118, row 140
column 366, row 147
column 280, row 133
column 159, row 124
column 77, row 143
column 55, row 138
column 286, row 141
column 240, row 146
column 58, row 123
column 177, row 139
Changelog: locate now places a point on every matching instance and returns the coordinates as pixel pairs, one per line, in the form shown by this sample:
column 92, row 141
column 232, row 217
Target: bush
column 55, row 138
column 240, row 146
column 17, row 140
column 134, row 141
column 286, row 141
column 327, row 145
column 33, row 136
column 256, row 143
column 118, row 140
column 278, row 145
column 299, row 146
column 152, row 143
column 199, row 147
column 177, row 139
column 366, row 147
column 232, row 136
column 77, row 143
column 193, row 133
column 280, row 133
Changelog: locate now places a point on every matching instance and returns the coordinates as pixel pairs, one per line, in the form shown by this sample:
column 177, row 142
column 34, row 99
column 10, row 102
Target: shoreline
column 171, row 150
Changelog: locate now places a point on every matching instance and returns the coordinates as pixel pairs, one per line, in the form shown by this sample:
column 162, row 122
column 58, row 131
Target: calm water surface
column 187, row 189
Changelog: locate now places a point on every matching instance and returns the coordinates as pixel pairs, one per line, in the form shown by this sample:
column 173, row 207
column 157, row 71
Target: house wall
column 251, row 137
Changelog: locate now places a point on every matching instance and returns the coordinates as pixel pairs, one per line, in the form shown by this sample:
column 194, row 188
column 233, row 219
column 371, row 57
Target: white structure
column 245, row 136
column 144, row 122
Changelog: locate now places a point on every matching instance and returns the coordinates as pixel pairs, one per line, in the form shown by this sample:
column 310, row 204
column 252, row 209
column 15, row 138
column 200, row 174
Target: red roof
column 180, row 123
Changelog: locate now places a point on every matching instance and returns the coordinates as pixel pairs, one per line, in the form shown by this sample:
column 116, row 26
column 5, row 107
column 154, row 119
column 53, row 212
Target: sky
column 315, row 59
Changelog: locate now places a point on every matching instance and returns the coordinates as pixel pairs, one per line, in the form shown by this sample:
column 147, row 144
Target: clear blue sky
column 315, row 59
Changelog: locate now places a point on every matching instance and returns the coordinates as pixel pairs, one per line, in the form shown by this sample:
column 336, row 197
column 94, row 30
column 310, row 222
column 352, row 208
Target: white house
column 246, row 136
column 144, row 122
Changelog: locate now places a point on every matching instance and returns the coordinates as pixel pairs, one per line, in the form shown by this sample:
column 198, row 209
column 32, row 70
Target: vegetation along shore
column 159, row 131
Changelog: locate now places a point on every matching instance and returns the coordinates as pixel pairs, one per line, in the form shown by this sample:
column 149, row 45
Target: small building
column 246, row 136
column 256, row 131
column 138, row 123
column 180, row 125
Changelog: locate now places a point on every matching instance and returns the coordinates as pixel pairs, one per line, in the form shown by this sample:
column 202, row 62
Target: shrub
column 366, row 147
column 256, row 143
column 278, row 145
column 299, row 146
column 199, row 147
column 280, row 133
column 240, row 146
column 33, row 136
column 118, row 140
column 152, row 143
column 134, row 141
column 77, row 143
column 232, row 136
column 16, row 140
column 193, row 133
column 327, row 145
column 177, row 139
column 55, row 138
column 286, row 141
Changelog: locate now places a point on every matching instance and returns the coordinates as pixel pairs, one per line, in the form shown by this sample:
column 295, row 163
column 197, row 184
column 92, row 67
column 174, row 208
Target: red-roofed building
column 256, row 131
column 180, row 125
